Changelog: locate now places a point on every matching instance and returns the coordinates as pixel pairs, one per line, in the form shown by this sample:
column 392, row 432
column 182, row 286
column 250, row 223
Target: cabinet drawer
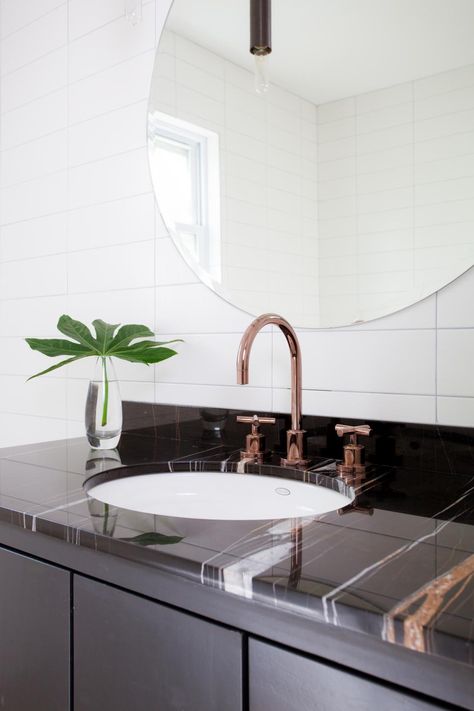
column 283, row 681
column 34, row 634
column 132, row 653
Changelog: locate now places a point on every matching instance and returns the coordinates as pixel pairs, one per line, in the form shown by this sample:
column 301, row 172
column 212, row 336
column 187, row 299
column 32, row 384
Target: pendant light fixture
column 261, row 41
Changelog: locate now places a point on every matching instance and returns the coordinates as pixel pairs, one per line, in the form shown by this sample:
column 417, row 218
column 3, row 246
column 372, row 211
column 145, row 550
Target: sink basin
column 211, row 493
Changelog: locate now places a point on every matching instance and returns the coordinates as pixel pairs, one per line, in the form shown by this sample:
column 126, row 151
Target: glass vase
column 103, row 407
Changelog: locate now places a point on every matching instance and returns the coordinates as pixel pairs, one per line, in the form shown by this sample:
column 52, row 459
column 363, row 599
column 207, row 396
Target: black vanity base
column 98, row 632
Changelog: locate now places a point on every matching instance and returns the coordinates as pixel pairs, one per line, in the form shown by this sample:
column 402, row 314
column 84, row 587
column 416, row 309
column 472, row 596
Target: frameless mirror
column 343, row 192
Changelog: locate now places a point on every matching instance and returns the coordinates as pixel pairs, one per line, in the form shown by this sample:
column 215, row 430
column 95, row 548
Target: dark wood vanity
column 77, row 643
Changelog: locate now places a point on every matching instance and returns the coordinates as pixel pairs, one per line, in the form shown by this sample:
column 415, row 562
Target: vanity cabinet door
column 283, row 681
column 34, row 634
column 131, row 653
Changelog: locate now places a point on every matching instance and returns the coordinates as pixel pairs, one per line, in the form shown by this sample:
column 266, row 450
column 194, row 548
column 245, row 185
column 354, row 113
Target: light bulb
column 262, row 82
column 133, row 11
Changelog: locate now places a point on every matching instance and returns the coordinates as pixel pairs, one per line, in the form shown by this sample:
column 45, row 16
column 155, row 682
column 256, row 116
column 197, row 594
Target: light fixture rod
column 260, row 27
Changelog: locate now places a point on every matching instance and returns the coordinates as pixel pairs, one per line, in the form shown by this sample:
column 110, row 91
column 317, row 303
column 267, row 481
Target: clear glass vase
column 103, row 407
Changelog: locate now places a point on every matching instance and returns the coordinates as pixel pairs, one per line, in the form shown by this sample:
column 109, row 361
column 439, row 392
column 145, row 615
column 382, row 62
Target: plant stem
column 106, row 393
column 106, row 519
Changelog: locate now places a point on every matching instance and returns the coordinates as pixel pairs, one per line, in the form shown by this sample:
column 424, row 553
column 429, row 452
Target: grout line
column 436, row 358
column 239, row 332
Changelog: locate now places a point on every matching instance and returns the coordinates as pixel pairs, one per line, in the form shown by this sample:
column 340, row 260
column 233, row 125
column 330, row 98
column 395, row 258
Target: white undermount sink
column 219, row 495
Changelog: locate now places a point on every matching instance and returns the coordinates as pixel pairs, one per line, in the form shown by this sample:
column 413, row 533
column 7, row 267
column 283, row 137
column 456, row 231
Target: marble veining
column 399, row 566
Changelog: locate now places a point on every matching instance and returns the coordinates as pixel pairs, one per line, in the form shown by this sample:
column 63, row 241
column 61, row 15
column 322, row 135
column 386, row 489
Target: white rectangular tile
column 239, row 398
column 115, row 42
column 455, row 303
column 88, row 15
column 385, row 200
column 128, row 266
column 26, row 429
column 35, row 80
column 119, row 176
column 50, row 114
column 455, row 357
column 34, row 238
column 456, row 411
column 447, row 103
column 336, row 130
column 444, row 190
column 120, row 221
column 118, row 306
column 34, row 159
column 451, row 168
column 445, row 125
column 34, row 198
column 392, row 178
column 444, row 82
column 41, row 276
column 207, row 83
column 199, row 57
column 170, row 266
column 18, row 13
column 363, row 406
column 381, row 353
column 211, row 361
column 115, row 132
column 336, row 110
column 19, row 321
column 34, row 40
column 44, row 396
column 110, row 89
column 335, row 150
column 386, row 241
column 392, row 96
column 399, row 219
column 420, row 315
column 380, row 119
column 211, row 314
column 384, row 139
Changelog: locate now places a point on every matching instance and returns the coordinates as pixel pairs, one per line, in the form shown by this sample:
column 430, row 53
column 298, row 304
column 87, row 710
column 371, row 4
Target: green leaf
column 128, row 333
column 153, row 539
column 105, row 334
column 58, row 346
column 78, row 331
column 146, row 355
column 57, row 365
column 145, row 344
column 83, row 343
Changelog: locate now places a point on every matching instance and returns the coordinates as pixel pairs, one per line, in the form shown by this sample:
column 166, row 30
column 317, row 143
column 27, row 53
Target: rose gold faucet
column 295, row 444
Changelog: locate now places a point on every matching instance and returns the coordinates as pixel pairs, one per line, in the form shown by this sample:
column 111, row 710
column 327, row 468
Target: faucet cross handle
column 256, row 420
column 255, row 441
column 353, row 431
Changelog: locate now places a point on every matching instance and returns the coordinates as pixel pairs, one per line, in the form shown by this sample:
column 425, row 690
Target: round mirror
column 331, row 179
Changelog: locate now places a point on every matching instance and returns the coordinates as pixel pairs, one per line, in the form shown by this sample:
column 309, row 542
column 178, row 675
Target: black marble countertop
column 400, row 567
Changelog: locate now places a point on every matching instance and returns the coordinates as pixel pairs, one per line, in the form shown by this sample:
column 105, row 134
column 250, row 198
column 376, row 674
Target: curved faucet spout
column 295, row 435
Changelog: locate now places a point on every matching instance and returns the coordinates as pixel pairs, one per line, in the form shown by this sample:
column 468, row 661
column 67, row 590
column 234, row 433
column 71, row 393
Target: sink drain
column 282, row 491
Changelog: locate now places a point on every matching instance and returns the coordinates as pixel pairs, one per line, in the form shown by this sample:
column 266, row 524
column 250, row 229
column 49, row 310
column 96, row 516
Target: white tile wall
column 83, row 237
